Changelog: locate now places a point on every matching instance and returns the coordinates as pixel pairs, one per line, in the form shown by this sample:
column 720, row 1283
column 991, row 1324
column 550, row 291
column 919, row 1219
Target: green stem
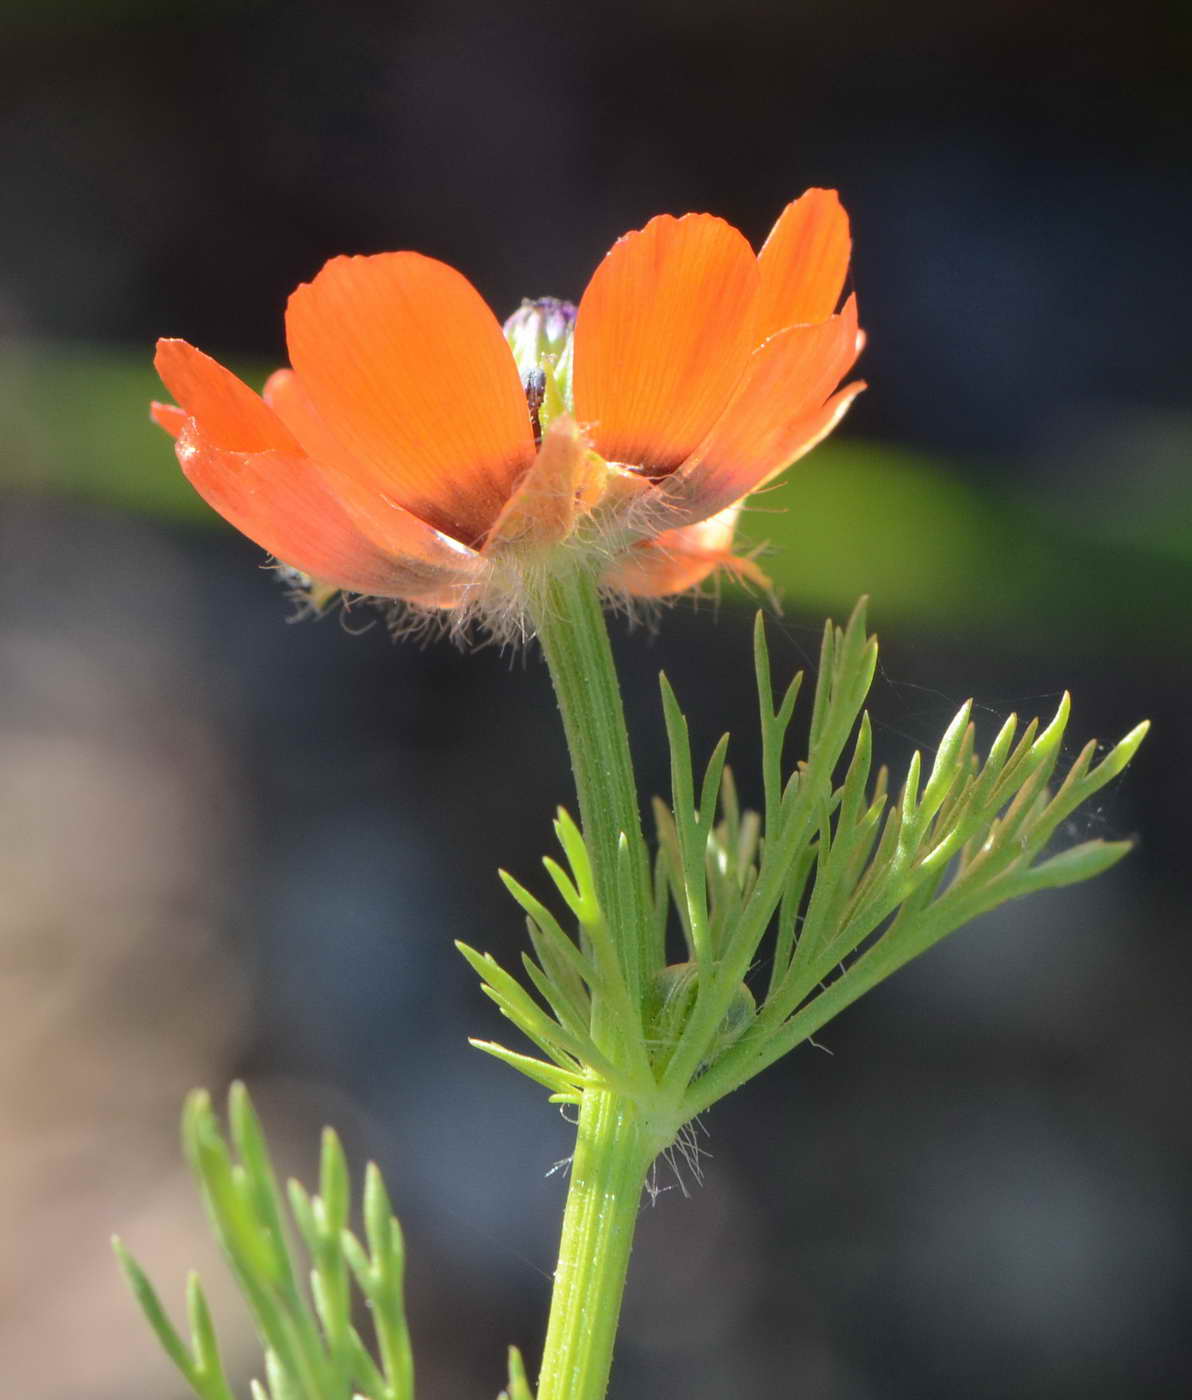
column 613, row 1148
column 612, row 1156
column 570, row 623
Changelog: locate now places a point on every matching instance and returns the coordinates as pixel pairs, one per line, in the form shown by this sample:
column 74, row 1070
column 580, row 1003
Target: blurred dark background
column 236, row 847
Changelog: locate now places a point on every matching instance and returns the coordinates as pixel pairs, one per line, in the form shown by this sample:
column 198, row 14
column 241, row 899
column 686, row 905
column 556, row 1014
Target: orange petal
column 781, row 411
column 565, row 483
column 407, row 367
column 392, row 529
column 679, row 559
column 168, row 416
column 227, row 411
column 280, row 501
column 662, row 336
column 817, row 426
column 804, row 263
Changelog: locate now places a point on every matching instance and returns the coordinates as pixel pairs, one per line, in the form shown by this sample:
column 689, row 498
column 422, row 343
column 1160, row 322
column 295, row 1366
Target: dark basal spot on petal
column 660, row 466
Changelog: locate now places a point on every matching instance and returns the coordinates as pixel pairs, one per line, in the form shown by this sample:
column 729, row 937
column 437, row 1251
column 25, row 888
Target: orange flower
column 416, row 452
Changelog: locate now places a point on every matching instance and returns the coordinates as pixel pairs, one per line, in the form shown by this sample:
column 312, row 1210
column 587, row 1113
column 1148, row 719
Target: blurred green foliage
column 856, row 517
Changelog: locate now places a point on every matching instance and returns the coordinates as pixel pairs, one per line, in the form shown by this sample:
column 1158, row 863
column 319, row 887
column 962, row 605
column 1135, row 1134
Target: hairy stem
column 613, row 1150
column 570, row 623
column 608, row 1172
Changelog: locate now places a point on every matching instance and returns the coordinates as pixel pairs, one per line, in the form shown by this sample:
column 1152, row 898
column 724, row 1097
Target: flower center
column 539, row 334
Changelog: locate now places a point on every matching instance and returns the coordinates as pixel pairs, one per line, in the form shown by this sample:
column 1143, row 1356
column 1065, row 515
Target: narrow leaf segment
column 312, row 1350
column 839, row 881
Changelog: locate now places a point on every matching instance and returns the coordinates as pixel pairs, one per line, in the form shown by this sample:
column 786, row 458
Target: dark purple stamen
column 534, row 384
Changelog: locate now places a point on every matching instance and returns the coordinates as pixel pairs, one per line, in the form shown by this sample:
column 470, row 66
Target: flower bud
column 670, row 1002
